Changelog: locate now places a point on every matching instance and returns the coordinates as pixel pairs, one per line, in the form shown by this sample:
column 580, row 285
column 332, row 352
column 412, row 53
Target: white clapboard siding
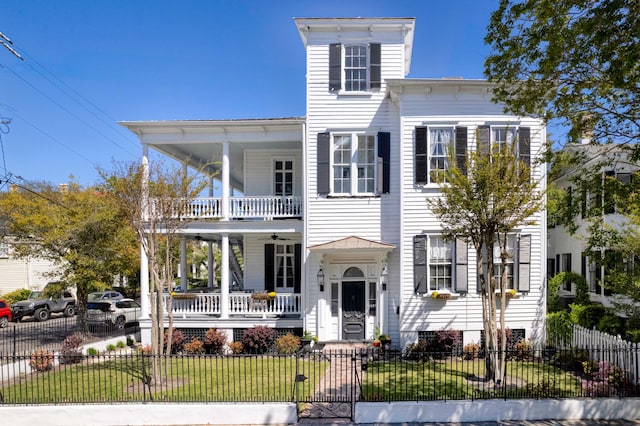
column 259, row 170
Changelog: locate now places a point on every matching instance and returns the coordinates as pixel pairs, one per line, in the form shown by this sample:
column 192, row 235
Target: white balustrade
column 240, row 304
column 264, row 207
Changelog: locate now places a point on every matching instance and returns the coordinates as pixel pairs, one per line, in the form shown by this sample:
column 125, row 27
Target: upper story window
column 516, row 137
column 354, row 67
column 283, row 177
column 353, row 163
column 432, row 146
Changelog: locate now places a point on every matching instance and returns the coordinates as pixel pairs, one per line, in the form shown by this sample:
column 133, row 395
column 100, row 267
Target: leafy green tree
column 575, row 61
column 81, row 230
column 482, row 206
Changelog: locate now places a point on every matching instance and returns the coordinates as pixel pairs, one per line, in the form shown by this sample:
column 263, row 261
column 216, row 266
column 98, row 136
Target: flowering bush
column 177, row 339
column 470, row 351
column 214, row 341
column 288, row 344
column 41, row 360
column 258, row 339
column 603, row 379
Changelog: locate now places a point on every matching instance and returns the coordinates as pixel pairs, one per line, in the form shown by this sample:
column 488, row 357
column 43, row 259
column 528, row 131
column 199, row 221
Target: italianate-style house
column 328, row 210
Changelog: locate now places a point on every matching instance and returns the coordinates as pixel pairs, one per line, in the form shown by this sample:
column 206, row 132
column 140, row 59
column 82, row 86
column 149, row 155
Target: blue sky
column 89, row 64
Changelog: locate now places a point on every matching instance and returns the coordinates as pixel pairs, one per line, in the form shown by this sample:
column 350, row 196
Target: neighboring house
column 29, row 273
column 568, row 251
column 329, row 210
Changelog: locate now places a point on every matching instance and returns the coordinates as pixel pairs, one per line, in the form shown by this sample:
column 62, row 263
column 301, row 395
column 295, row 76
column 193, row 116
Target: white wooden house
column 329, row 210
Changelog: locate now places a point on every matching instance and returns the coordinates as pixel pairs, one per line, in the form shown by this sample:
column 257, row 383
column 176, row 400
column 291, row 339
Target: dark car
column 5, row 314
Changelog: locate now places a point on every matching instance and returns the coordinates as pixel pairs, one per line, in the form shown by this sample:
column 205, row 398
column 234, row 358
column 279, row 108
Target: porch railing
column 262, row 207
column 240, row 304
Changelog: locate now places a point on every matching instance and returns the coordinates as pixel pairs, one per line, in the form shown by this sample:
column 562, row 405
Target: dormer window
column 354, row 67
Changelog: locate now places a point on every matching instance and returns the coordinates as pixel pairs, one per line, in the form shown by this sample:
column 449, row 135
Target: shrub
column 470, row 351
column 92, row 351
column 416, row 351
column 130, row 341
column 41, row 360
column 16, row 296
column 633, row 336
column 603, row 379
column 194, row 347
column 236, row 347
column 214, row 341
column 611, row 324
column 559, row 328
column 177, row 339
column 523, row 350
column 258, row 339
column 288, row 344
column 443, row 343
column 111, row 347
column 590, row 315
column 120, row 344
column 70, row 352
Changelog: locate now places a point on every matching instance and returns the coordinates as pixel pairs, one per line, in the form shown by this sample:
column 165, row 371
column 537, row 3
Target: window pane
column 440, row 263
column 372, row 298
column 334, row 299
column 439, row 140
column 355, row 70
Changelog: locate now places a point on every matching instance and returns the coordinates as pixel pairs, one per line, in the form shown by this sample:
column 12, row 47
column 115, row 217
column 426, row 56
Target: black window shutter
column 462, row 282
column 421, row 150
column 484, row 140
column 335, row 67
column 384, row 152
column 524, row 263
column 524, row 145
column 461, row 149
column 269, row 267
column 375, row 66
column 420, row 264
column 323, row 154
column 297, row 272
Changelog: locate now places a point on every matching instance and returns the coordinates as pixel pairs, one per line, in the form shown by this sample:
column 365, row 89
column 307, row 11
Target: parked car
column 104, row 295
column 112, row 313
column 41, row 307
column 5, row 314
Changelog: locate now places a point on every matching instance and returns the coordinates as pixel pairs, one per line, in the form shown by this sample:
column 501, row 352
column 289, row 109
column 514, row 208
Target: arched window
column 353, row 272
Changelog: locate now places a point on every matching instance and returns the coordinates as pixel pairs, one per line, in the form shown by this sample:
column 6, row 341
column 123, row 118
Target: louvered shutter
column 421, row 153
column 375, row 66
column 461, row 284
column 420, row 264
column 324, row 164
column 384, row 152
column 461, row 149
column 269, row 267
column 484, row 140
column 297, row 273
column 524, row 263
column 335, row 67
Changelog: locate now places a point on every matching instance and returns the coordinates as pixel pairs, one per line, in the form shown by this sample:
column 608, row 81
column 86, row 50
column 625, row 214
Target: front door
column 353, row 310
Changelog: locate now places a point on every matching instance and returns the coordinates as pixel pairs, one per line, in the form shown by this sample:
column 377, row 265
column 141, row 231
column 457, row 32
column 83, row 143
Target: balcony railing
column 240, row 305
column 262, row 207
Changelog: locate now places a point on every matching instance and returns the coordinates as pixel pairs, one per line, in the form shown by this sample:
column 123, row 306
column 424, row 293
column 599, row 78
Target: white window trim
column 429, row 145
column 273, row 173
column 343, row 69
column 450, row 291
column 497, row 261
column 284, row 255
column 354, row 164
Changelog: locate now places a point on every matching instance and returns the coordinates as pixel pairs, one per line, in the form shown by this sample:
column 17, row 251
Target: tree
column 482, row 206
column 155, row 198
column 574, row 61
column 80, row 230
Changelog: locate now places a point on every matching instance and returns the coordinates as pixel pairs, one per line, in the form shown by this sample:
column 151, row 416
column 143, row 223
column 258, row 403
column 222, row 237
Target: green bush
column 559, row 328
column 120, row 344
column 287, row 344
column 632, row 336
column 111, row 347
column 611, row 324
column 15, row 296
column 92, row 351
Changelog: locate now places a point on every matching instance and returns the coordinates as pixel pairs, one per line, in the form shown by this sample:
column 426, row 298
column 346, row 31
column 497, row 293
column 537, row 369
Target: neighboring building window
column 372, row 298
column 551, row 268
column 284, row 265
column 498, row 267
column 432, row 146
column 354, row 155
column 354, row 67
column 439, row 265
column 4, row 250
column 283, row 177
column 566, row 267
column 595, row 273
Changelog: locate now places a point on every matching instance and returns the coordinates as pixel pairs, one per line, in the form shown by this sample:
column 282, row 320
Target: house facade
column 329, row 210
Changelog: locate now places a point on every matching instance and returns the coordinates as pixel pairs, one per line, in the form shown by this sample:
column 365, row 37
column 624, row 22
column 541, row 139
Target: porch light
column 383, row 276
column 320, row 278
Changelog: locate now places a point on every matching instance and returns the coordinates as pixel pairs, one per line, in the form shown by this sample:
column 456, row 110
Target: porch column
column 210, row 267
column 224, row 278
column 183, row 264
column 225, row 181
column 144, row 260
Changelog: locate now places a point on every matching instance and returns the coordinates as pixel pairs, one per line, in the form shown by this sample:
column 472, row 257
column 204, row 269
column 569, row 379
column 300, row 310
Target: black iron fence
column 23, row 338
column 126, row 375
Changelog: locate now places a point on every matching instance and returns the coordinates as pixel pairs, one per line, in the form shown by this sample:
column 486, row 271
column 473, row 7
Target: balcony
column 193, row 305
column 259, row 207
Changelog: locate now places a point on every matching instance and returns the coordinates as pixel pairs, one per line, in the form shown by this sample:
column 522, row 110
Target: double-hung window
column 503, row 137
column 284, row 269
column 283, row 177
column 498, row 266
column 354, row 67
column 439, row 264
column 354, row 163
column 433, row 145
column 517, row 138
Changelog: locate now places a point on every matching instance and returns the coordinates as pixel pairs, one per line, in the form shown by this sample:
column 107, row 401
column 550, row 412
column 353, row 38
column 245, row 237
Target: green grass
column 189, row 379
column 460, row 379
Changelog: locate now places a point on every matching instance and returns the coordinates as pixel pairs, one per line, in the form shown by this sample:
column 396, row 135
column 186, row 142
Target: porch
column 240, row 305
column 240, row 208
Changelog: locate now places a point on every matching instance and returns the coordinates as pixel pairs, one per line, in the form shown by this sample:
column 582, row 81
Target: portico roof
column 353, row 243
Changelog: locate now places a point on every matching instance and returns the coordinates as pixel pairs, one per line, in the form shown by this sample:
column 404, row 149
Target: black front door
column 353, row 310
